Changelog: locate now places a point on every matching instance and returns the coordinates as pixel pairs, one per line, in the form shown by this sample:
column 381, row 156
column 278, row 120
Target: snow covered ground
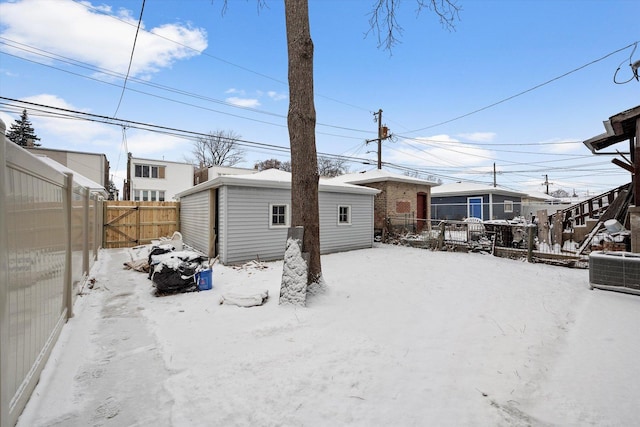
column 402, row 337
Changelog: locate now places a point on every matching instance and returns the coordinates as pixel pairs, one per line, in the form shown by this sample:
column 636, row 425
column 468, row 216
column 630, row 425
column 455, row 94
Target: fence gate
column 128, row 224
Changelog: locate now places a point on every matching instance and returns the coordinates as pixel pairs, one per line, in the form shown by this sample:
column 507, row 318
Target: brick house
column 403, row 201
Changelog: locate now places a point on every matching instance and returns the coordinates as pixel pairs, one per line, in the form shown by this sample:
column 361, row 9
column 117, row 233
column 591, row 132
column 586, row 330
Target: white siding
column 222, row 224
column 343, row 237
column 195, row 220
column 247, row 234
column 244, row 232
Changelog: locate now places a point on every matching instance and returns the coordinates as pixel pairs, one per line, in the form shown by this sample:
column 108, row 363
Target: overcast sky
column 517, row 83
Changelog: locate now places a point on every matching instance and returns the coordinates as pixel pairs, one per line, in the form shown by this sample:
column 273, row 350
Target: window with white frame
column 344, row 215
column 278, row 215
column 148, row 195
column 149, row 171
column 508, row 206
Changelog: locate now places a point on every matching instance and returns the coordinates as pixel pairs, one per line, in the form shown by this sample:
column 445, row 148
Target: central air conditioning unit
column 615, row 271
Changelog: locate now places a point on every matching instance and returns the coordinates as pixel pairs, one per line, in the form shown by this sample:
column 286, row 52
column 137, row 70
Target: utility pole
column 495, row 184
column 546, row 182
column 383, row 133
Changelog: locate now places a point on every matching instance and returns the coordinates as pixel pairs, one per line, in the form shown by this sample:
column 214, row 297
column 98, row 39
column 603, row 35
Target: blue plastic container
column 204, row 278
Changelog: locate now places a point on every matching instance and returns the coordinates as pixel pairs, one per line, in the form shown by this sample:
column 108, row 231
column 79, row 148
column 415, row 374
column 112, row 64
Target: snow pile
column 294, row 275
column 243, row 300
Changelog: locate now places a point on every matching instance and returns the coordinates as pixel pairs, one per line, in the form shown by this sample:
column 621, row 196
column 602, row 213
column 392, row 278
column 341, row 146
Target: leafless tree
column 219, row 148
column 273, row 164
column 329, row 167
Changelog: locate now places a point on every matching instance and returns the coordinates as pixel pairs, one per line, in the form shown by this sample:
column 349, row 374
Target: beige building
column 94, row 166
column 403, row 200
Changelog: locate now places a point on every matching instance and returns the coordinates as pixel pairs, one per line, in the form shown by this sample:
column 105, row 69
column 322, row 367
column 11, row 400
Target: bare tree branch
column 219, row 148
column 383, row 22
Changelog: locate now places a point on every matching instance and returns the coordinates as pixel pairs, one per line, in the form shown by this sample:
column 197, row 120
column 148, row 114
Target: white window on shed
column 278, row 215
column 508, row 206
column 344, row 215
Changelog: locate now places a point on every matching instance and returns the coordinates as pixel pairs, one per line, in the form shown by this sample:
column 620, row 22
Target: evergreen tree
column 22, row 133
column 112, row 190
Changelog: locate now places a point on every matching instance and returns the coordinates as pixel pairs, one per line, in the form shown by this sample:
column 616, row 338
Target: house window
column 148, row 196
column 279, row 216
column 344, row 215
column 149, row 171
column 508, row 206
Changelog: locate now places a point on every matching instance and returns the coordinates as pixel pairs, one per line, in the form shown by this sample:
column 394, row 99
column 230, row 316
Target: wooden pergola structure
column 620, row 127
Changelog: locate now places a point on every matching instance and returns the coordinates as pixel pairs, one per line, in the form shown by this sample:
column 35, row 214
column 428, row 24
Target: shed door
column 474, row 207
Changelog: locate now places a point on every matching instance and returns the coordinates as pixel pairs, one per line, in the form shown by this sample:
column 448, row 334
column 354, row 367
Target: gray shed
column 244, row 217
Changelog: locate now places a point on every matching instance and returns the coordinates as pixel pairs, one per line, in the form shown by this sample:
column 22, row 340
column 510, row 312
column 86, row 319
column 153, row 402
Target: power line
column 217, row 58
column 135, row 39
column 62, row 113
column 524, row 91
column 163, row 87
column 176, row 132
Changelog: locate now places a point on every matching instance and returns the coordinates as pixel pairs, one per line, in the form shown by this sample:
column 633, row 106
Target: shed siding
column 222, row 224
column 243, row 223
column 195, row 220
column 248, row 235
column 357, row 235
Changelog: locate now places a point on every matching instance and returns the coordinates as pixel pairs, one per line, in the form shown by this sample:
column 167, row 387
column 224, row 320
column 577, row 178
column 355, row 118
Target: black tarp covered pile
column 174, row 272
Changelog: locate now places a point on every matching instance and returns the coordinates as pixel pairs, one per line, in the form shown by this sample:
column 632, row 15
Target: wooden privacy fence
column 128, row 223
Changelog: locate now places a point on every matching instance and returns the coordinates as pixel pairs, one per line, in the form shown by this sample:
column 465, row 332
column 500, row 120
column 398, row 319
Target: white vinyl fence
column 50, row 233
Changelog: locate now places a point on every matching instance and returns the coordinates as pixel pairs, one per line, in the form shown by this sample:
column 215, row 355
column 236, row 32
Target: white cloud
column 235, row 91
column 152, row 144
column 276, row 96
column 76, row 31
column 436, row 151
column 478, row 136
column 71, row 131
column 563, row 146
column 243, row 102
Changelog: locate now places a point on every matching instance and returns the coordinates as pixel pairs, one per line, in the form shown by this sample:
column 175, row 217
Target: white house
column 245, row 217
column 156, row 180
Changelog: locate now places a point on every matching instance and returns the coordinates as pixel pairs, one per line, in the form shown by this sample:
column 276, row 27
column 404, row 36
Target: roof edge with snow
column 273, row 178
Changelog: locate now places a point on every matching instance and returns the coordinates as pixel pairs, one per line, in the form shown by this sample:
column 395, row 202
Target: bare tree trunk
column 302, row 123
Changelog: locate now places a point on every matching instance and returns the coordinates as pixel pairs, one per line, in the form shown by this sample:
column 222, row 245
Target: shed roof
column 274, row 178
column 471, row 188
column 379, row 175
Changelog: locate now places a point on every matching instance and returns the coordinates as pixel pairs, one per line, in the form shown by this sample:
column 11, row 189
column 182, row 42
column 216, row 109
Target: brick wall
column 397, row 199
